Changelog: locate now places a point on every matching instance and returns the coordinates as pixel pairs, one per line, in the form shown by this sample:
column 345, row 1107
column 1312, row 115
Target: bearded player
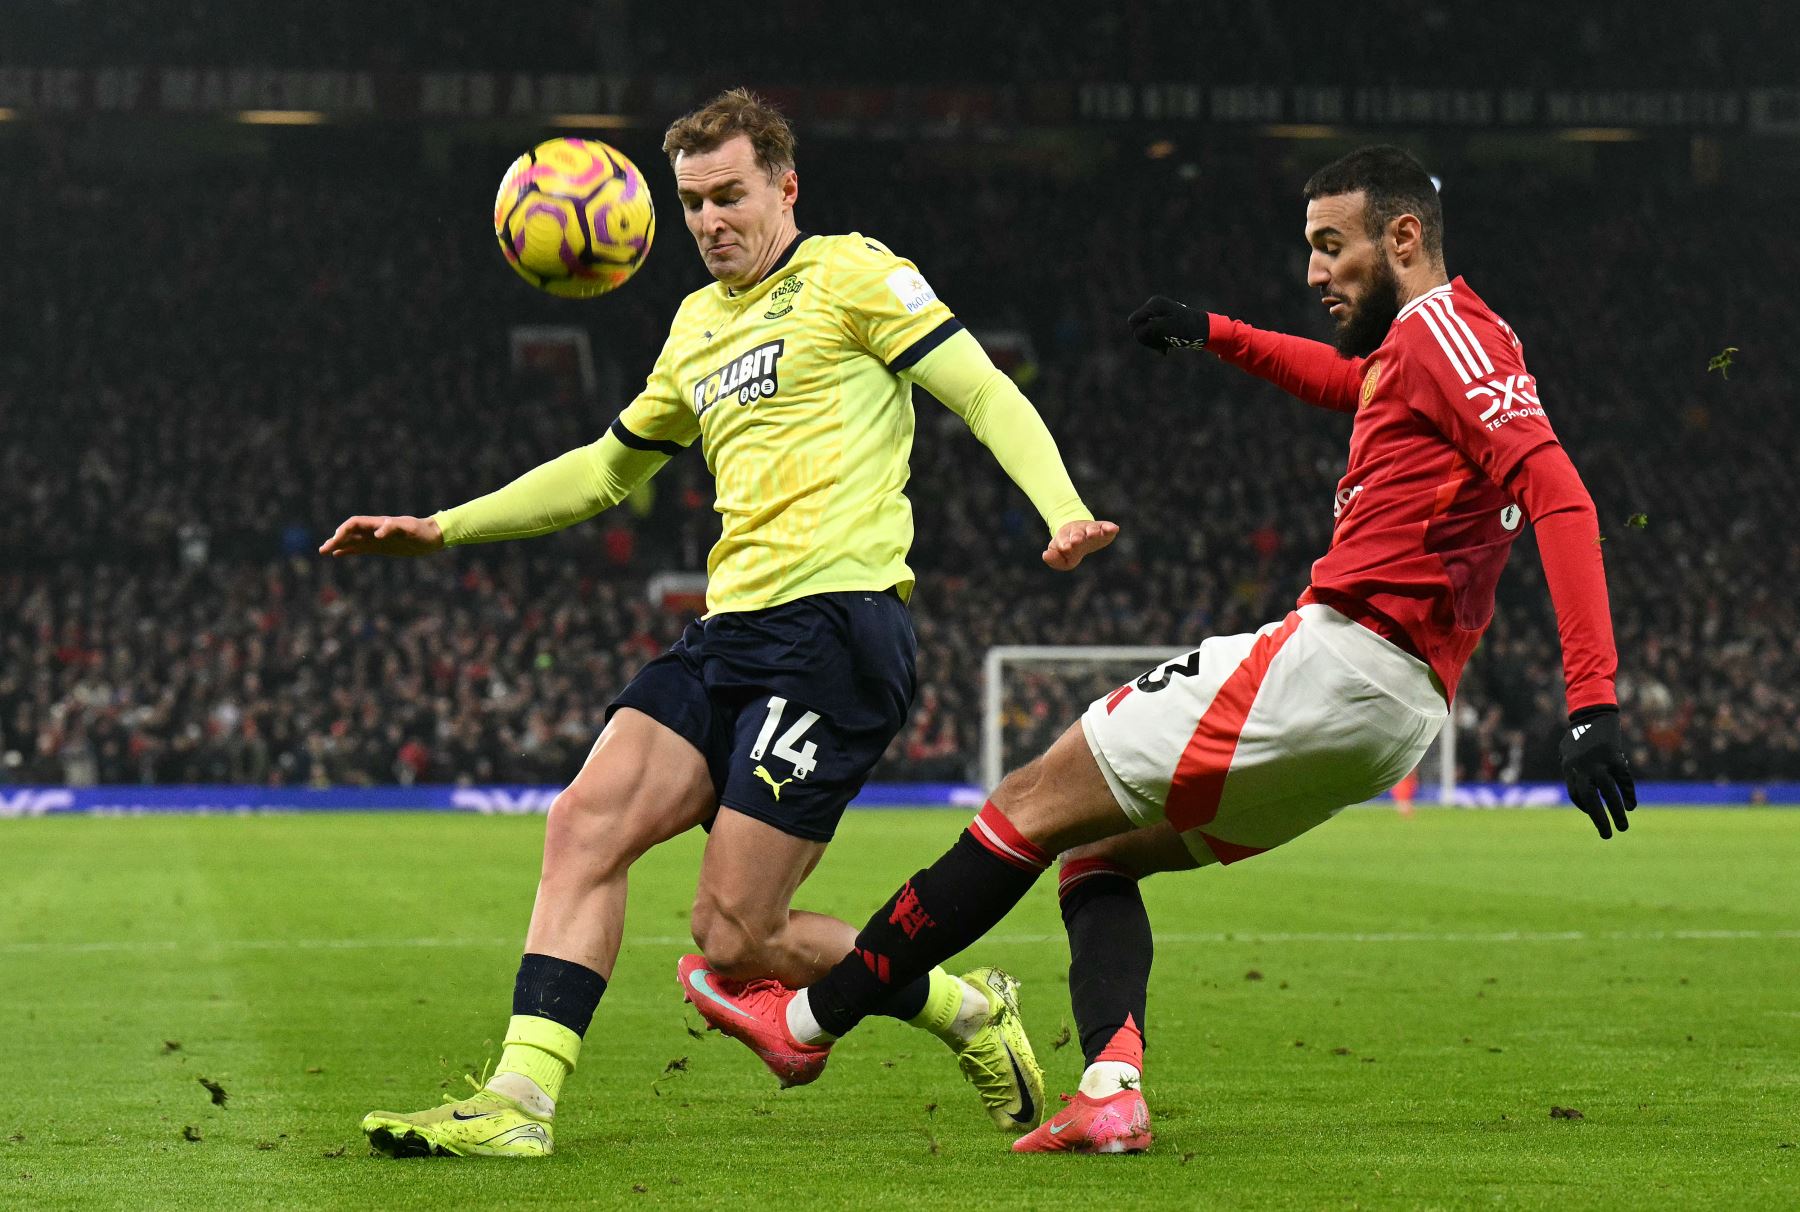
column 1250, row 740
column 796, row 368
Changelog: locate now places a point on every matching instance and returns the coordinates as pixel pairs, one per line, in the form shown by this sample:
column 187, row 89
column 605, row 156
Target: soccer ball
column 574, row 218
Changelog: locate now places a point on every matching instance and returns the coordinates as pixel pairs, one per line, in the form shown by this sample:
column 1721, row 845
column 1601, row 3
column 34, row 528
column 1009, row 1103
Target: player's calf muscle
column 744, row 943
column 740, row 943
column 734, row 949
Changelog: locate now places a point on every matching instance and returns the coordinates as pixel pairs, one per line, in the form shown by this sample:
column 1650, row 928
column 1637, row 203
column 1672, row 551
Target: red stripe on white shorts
column 1200, row 775
column 1229, row 852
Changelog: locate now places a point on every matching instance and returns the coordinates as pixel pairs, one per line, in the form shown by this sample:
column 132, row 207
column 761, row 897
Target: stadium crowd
column 1610, row 44
column 185, row 423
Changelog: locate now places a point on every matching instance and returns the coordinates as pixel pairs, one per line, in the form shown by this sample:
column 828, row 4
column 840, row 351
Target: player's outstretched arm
column 1595, row 767
column 1310, row 371
column 401, row 535
column 960, row 373
column 568, row 489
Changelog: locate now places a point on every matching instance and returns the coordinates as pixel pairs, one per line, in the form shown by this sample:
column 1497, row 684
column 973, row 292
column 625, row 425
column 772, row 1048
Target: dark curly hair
column 1394, row 183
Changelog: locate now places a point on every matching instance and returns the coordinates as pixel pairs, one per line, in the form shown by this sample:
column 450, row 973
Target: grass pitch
column 1382, row 1014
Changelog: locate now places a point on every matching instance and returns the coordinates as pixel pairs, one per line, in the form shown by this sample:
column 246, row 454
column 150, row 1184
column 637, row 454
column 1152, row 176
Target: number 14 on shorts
column 790, row 747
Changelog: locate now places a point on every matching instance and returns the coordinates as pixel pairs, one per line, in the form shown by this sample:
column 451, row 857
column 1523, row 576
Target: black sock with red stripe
column 1110, row 949
column 936, row 914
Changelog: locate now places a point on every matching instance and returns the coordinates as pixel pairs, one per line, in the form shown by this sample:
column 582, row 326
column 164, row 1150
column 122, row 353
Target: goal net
column 1031, row 693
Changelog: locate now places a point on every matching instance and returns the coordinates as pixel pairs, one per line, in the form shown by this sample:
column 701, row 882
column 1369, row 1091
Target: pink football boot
column 1118, row 1123
column 755, row 1014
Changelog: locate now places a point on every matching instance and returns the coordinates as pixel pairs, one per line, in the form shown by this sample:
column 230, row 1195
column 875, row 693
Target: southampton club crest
column 781, row 299
column 749, row 377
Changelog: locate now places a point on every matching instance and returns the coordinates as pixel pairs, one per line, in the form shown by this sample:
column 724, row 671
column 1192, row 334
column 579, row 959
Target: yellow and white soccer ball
column 574, row 217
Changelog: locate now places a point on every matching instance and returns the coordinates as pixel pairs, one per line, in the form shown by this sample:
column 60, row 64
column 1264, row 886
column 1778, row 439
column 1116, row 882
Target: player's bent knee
column 1016, row 790
column 575, row 819
column 1061, row 800
column 596, row 830
column 1038, row 822
column 1138, row 854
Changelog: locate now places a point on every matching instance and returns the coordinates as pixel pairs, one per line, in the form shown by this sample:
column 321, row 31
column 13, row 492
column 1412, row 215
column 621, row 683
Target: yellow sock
column 540, row 1049
column 942, row 1004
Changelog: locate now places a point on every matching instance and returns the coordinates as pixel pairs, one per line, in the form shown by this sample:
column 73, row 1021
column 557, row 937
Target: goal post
column 1094, row 669
column 1439, row 763
column 1040, row 689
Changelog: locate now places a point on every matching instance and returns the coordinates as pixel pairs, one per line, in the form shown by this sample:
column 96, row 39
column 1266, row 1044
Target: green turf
column 317, row 967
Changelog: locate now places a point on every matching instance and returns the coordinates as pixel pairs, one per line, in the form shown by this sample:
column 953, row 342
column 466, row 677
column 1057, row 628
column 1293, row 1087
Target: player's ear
column 1406, row 239
column 790, row 187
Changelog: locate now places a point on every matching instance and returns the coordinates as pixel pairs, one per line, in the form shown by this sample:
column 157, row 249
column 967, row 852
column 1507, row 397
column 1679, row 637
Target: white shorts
column 1250, row 740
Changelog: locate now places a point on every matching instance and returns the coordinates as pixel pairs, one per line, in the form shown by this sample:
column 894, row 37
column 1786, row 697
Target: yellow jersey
column 800, row 391
column 793, row 387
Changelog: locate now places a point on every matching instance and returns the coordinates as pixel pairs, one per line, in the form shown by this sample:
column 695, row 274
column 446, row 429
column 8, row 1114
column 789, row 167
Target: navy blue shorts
column 791, row 706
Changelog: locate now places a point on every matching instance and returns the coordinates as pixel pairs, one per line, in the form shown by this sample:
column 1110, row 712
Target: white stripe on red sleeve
column 1444, row 344
column 1487, row 366
column 1471, row 358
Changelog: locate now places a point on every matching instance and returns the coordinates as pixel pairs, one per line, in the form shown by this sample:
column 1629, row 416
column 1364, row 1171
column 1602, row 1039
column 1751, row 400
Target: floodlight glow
column 281, row 117
column 591, row 121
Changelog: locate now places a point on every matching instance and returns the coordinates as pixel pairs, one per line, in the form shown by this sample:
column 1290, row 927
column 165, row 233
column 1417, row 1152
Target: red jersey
column 1450, row 453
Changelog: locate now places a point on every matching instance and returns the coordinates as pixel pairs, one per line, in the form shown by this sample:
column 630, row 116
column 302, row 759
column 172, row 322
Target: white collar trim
column 1419, row 302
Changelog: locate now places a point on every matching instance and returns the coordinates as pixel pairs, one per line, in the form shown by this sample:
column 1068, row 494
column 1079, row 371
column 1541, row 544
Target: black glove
column 1594, row 765
column 1163, row 324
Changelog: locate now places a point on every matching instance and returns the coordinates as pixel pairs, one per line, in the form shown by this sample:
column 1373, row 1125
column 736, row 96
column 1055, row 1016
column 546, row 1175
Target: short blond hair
column 735, row 112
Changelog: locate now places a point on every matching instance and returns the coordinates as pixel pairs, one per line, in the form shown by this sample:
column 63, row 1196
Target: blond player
column 795, row 369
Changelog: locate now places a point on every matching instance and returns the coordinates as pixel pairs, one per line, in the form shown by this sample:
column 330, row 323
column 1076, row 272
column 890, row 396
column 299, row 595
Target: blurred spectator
column 193, row 401
column 1600, row 44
